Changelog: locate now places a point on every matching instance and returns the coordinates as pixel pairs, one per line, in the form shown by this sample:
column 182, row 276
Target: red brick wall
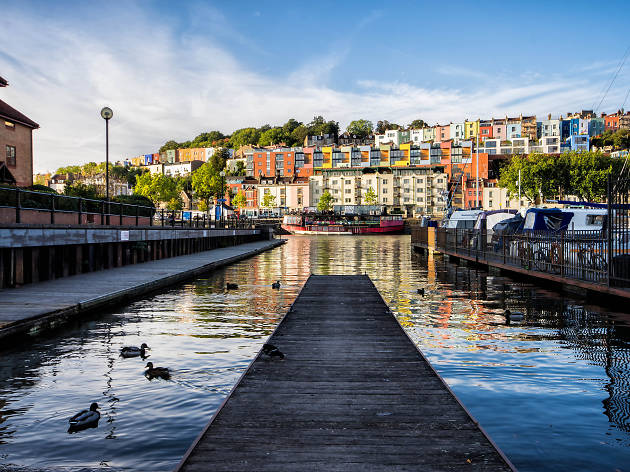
column 21, row 137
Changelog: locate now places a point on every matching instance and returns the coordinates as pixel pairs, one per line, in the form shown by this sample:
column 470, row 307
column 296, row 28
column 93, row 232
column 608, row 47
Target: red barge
column 308, row 224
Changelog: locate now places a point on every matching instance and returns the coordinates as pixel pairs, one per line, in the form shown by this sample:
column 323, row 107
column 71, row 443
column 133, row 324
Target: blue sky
column 172, row 71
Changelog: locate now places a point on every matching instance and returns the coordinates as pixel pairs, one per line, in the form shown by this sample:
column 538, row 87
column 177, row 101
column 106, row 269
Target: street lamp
column 106, row 114
column 222, row 199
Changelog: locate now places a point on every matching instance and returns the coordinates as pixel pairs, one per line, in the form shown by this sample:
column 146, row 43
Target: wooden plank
column 352, row 393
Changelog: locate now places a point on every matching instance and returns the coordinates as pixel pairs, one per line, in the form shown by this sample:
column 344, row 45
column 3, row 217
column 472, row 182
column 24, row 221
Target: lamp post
column 106, row 114
column 477, row 149
column 222, row 199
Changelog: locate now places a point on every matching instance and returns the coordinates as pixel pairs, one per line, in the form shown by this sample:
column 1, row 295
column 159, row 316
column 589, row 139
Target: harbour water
column 553, row 391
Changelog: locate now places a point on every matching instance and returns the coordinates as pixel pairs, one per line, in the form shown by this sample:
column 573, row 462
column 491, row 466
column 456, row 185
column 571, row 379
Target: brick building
column 16, row 145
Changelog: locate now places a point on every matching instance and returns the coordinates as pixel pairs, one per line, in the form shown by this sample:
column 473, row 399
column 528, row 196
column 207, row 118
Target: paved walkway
column 353, row 393
column 33, row 307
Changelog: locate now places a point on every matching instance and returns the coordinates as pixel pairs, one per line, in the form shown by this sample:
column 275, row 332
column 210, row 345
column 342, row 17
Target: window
column 348, row 190
column 490, row 203
column 419, row 190
column 335, row 191
column 384, row 190
column 348, row 200
column 348, row 182
column 405, row 181
column 490, row 194
column 384, row 181
column 420, row 199
column 385, row 200
column 11, row 155
column 406, row 190
column 406, row 199
column 419, row 181
column 334, row 182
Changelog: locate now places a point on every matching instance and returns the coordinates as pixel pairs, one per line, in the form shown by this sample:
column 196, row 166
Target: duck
column 421, row 291
column 231, row 286
column 515, row 316
column 267, row 348
column 272, row 351
column 276, row 285
column 152, row 372
column 133, row 351
column 85, row 418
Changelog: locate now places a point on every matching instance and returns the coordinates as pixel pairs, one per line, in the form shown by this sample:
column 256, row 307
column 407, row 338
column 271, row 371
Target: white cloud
column 163, row 84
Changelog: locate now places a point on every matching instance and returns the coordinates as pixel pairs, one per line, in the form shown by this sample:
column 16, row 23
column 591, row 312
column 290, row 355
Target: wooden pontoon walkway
column 35, row 307
column 353, row 393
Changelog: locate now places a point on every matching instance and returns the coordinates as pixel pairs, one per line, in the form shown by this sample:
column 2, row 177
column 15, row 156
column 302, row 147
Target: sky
column 171, row 70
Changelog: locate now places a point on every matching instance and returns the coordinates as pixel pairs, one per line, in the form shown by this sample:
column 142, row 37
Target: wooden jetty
column 352, row 393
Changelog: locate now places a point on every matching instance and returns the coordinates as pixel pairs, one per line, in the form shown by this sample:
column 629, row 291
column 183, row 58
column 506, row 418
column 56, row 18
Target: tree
column 273, row 136
column 325, row 202
column 133, row 173
column 169, row 146
column 240, row 201
column 218, row 160
column 238, row 170
column 384, row 125
column 298, row 135
column 208, row 139
column 370, row 197
column 243, row 137
column 588, row 173
column 78, row 189
column 269, row 201
column 207, row 183
column 360, row 128
column 418, row 124
column 157, row 187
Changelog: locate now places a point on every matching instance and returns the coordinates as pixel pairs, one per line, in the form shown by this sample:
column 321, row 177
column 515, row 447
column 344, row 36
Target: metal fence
column 580, row 255
column 26, row 206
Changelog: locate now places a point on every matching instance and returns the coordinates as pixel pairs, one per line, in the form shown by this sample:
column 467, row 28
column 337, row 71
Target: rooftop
column 10, row 113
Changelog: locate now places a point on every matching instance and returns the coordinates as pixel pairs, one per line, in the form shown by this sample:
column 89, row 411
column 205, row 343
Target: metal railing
column 579, row 255
column 27, row 206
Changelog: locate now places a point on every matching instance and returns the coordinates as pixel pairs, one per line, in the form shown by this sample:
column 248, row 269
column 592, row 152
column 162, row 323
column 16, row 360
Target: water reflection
column 552, row 389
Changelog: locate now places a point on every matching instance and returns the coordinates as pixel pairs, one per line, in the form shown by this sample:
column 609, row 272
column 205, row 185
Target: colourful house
column 485, row 130
column 498, row 129
column 457, row 130
column 442, row 133
column 471, row 129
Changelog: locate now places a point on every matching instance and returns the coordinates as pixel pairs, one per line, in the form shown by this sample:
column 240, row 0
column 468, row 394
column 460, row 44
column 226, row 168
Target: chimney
column 549, row 116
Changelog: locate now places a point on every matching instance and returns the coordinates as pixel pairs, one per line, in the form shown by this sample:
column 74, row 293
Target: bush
column 135, row 200
column 40, row 188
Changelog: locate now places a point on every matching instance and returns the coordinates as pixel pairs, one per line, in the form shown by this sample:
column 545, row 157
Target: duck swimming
column 276, row 285
column 516, row 316
column 133, row 351
column 85, row 418
column 152, row 372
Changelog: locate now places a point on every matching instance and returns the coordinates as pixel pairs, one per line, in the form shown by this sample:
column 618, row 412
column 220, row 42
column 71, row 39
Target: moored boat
column 317, row 224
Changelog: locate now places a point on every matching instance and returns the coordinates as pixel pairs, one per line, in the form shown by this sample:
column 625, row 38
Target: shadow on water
column 552, row 390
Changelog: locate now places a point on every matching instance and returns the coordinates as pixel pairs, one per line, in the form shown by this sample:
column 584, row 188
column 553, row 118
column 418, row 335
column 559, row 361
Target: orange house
column 611, row 122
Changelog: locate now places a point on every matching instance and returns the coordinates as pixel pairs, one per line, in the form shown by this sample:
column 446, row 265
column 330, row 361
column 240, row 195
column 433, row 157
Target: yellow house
column 385, row 150
column 327, row 152
column 406, row 160
column 471, row 129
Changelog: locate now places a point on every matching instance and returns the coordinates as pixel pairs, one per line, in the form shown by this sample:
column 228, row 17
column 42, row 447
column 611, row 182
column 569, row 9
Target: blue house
column 578, row 142
column 565, row 129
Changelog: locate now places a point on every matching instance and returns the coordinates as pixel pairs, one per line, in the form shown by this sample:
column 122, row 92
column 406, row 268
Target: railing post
column 609, row 232
column 52, row 209
column 162, row 216
column 80, row 210
column 150, row 217
column 102, row 212
column 137, row 214
column 562, row 241
column 18, row 205
column 120, row 211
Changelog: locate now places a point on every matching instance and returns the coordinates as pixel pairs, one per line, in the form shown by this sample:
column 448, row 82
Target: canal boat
column 337, row 225
column 462, row 219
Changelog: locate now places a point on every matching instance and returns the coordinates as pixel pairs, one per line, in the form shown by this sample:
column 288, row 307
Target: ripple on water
column 552, row 391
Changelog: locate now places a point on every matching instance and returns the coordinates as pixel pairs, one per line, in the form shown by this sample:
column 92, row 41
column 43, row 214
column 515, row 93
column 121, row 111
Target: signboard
column 124, row 235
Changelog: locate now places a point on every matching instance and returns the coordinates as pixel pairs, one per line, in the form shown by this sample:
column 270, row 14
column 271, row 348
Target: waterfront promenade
column 352, row 393
column 35, row 307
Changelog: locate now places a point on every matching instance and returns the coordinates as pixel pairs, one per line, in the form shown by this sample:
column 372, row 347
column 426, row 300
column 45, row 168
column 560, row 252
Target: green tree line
column 547, row 176
column 291, row 133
